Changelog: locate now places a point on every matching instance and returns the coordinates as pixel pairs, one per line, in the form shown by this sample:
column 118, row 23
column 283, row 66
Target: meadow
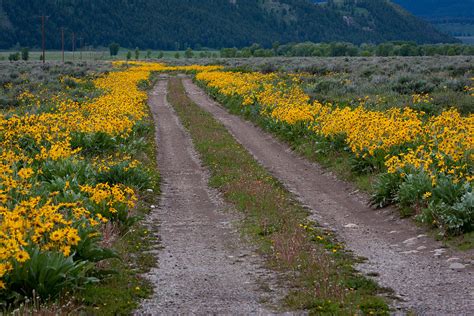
column 104, row 54
column 77, row 154
column 70, row 175
column 392, row 81
column 403, row 125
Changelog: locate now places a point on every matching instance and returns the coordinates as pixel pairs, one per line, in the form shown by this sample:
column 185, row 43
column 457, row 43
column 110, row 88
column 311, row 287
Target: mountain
column 439, row 8
column 455, row 17
column 171, row 24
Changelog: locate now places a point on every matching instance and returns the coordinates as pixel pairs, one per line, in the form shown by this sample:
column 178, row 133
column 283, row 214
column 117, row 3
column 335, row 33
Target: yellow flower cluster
column 245, row 85
column 30, row 217
column 285, row 103
column 104, row 164
column 446, row 147
column 158, row 67
column 419, row 98
column 470, row 89
column 29, row 140
column 64, row 79
column 445, row 142
column 33, row 221
column 110, row 195
column 368, row 131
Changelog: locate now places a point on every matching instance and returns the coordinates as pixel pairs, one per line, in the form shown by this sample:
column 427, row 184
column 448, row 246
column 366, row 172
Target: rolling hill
column 171, row 24
column 455, row 17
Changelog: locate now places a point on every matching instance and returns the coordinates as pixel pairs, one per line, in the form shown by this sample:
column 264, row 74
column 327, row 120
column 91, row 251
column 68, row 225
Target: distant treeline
column 347, row 49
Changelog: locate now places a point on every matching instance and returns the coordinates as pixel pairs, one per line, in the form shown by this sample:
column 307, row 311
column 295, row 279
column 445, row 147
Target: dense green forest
column 177, row 24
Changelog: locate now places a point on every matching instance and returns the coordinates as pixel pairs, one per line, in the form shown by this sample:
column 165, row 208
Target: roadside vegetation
column 379, row 83
column 77, row 176
column 76, row 170
column 416, row 155
column 23, row 79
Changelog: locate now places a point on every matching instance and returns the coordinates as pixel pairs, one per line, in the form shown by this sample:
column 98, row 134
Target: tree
column 404, row 50
column 25, row 53
column 114, row 49
column 189, row 53
column 137, row 53
column 176, row 55
column 14, row 57
column 254, row 47
column 228, row 52
column 245, row 53
column 148, row 54
column 160, row 55
column 385, row 49
column 129, row 55
column 451, row 51
column 275, row 46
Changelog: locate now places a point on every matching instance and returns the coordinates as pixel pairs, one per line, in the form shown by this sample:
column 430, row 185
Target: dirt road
column 427, row 278
column 204, row 267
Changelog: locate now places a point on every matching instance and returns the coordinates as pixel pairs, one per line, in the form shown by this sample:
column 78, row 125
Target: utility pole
column 62, row 42
column 43, row 38
column 81, row 46
column 73, row 44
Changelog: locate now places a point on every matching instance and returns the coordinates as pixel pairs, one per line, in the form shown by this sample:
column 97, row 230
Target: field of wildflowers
column 68, row 167
column 425, row 161
column 67, row 173
column 53, row 204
